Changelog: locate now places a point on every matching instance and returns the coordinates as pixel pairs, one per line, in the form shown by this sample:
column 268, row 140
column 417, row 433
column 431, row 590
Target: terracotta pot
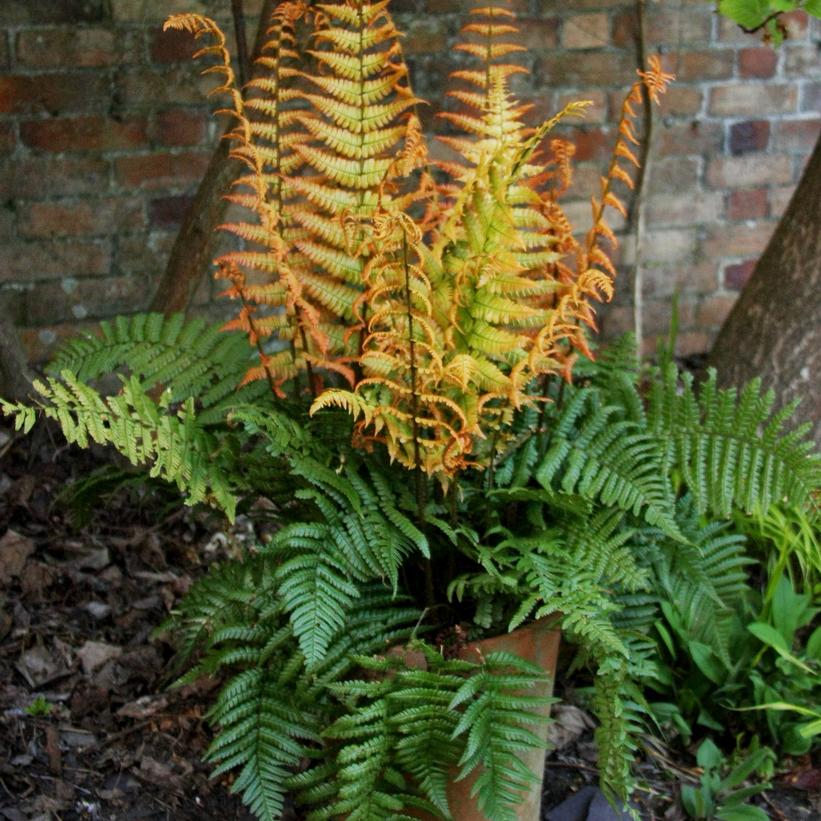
column 537, row 643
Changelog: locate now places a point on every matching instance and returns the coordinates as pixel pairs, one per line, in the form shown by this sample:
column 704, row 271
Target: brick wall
column 104, row 133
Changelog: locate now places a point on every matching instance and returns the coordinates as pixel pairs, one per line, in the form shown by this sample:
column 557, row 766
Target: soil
column 88, row 726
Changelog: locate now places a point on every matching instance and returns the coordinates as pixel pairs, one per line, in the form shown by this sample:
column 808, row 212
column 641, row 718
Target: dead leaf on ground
column 37, row 666
column 569, row 723
column 14, row 551
column 144, row 707
column 94, row 654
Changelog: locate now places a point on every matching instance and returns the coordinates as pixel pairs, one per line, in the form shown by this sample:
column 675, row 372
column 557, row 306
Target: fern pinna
column 404, row 318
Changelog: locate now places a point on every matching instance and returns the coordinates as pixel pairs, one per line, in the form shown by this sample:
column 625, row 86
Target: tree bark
column 195, row 245
column 15, row 377
column 774, row 330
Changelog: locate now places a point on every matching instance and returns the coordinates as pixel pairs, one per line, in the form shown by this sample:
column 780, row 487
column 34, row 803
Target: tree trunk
column 15, row 378
column 774, row 330
column 195, row 245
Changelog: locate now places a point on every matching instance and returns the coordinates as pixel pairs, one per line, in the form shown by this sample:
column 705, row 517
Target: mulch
column 88, row 726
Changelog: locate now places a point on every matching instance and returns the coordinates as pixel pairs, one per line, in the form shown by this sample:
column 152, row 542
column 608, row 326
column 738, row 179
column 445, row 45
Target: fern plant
column 397, row 383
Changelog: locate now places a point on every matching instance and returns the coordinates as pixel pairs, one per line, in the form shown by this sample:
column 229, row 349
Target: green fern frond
column 730, row 449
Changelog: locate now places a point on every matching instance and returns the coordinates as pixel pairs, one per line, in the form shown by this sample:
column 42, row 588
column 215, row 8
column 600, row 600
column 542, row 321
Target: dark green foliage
column 606, row 508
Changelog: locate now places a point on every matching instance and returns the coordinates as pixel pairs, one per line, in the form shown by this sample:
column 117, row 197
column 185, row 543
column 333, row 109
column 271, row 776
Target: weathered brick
column 586, row 31
column 673, row 208
column 598, row 68
column 779, row 200
column 141, row 89
column 796, row 24
column 681, row 101
column 704, row 64
column 692, row 343
column 129, row 11
column 740, row 240
column 160, row 170
column 169, row 212
column 596, row 114
column 20, row 12
column 801, row 60
column 757, row 62
column 737, row 274
column 78, row 299
column 740, row 100
column 138, row 253
column 748, row 204
column 538, row 33
column 74, row 48
column 179, row 127
column 749, row 172
column 173, row 46
column 34, row 177
column 715, row 309
column 679, row 174
column 84, row 134
column 753, row 135
column 5, row 52
column 7, row 138
column 670, row 27
column 32, row 261
column 52, row 93
column 811, row 98
column 55, row 218
column 40, row 344
column 693, row 137
column 797, row 136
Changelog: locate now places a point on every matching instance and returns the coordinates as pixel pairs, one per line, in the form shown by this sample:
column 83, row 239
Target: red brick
column 740, row 100
column 592, row 143
column 747, row 205
column 32, row 261
column 69, row 48
column 796, row 24
column 753, row 135
column 757, row 62
column 161, row 170
column 84, row 134
column 173, row 46
column 52, row 93
column 169, row 212
column 32, row 177
column 179, row 127
column 737, row 275
column 749, row 172
column 80, row 218
column 779, row 200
